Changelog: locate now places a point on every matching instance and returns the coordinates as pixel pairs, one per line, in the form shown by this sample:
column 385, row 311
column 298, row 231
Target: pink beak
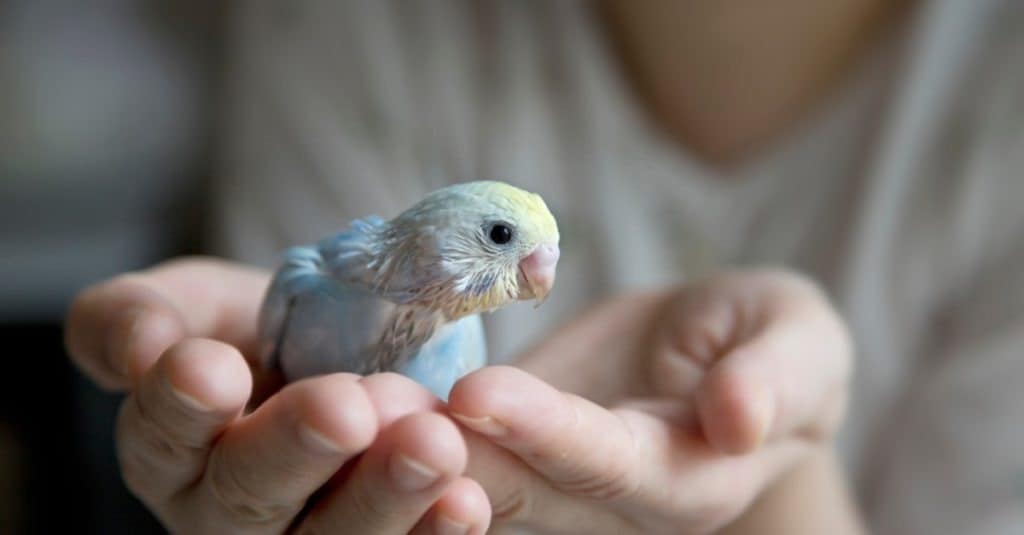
column 538, row 270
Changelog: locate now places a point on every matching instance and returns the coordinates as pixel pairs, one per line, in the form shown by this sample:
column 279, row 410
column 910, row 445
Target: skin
column 735, row 417
column 727, row 79
column 207, row 455
column 700, row 399
column 706, row 396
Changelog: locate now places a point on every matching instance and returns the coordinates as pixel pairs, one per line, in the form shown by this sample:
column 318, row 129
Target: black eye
column 501, row 234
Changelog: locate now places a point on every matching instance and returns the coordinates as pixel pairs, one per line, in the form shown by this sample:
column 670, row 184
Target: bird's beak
column 538, row 271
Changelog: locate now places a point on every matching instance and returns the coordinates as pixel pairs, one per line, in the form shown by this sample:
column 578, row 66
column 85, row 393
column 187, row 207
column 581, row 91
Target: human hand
column 661, row 413
column 206, row 455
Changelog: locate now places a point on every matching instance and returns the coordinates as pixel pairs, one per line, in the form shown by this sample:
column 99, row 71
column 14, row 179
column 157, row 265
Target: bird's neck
column 399, row 273
column 496, row 291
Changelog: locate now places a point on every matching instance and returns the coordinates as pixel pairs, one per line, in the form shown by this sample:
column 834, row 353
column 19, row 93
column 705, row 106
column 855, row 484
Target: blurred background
column 106, row 114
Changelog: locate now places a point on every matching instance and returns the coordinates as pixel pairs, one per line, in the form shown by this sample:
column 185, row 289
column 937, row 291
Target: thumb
column 789, row 377
column 762, row 353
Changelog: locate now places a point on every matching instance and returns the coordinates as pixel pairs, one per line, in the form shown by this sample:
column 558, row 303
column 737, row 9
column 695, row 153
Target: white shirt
column 900, row 196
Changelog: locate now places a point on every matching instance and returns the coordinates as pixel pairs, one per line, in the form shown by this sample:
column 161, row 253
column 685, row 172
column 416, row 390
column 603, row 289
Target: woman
column 871, row 145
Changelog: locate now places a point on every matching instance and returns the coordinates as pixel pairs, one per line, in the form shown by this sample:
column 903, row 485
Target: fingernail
column 447, row 526
column 485, row 425
column 189, row 401
column 412, row 475
column 316, row 440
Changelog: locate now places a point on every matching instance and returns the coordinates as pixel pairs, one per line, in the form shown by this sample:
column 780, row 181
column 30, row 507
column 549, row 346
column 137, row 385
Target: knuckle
column 612, row 484
column 515, row 505
column 364, row 504
column 237, row 501
column 163, row 446
column 145, row 448
column 609, row 478
column 164, row 441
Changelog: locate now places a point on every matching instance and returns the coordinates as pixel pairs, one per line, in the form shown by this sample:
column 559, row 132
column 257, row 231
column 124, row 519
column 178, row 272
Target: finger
column 578, row 446
column 594, row 462
column 705, row 321
column 394, row 396
column 463, row 510
column 686, row 478
column 166, row 427
column 700, row 325
column 511, row 486
column 265, row 467
column 396, row 481
column 115, row 330
column 789, row 375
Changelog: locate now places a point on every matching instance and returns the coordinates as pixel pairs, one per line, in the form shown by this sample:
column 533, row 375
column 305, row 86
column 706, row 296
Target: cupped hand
column 660, row 413
column 336, row 453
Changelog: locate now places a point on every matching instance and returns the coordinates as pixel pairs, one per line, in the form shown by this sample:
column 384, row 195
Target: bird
column 406, row 294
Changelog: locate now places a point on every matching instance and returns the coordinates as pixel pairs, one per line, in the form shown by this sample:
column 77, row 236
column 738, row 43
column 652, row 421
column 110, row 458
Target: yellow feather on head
column 531, row 205
column 440, row 252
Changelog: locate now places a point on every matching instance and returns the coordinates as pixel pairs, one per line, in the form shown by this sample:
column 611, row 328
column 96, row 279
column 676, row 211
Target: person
column 870, row 148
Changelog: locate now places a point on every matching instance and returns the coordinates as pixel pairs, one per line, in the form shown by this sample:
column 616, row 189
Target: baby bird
column 406, row 295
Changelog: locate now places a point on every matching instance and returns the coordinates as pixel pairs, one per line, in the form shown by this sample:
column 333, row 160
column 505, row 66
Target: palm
column 671, row 411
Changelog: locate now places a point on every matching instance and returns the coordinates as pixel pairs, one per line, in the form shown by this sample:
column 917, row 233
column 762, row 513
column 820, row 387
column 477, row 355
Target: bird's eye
column 500, row 234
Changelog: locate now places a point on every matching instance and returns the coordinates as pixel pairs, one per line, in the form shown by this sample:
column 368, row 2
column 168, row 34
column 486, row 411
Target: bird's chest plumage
column 456, row 349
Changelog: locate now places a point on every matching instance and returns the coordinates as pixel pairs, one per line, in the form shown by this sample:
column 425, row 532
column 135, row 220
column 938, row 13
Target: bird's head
column 478, row 246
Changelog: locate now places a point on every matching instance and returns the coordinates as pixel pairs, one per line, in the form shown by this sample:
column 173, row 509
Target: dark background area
column 107, row 114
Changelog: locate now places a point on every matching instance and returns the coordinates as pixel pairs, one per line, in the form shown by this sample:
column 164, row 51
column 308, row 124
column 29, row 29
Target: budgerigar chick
column 405, row 295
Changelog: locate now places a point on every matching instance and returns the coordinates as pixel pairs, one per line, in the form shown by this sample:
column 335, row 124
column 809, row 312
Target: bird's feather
column 405, row 294
column 322, row 313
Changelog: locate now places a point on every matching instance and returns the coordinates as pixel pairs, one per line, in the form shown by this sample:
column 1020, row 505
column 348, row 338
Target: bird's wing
column 349, row 256
column 316, row 320
column 298, row 275
column 326, row 311
column 309, row 270
column 334, row 331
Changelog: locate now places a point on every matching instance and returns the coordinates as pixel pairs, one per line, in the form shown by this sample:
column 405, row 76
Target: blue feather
column 320, row 316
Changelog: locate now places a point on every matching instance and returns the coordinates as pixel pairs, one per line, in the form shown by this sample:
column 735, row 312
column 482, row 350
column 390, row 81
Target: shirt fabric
column 900, row 195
